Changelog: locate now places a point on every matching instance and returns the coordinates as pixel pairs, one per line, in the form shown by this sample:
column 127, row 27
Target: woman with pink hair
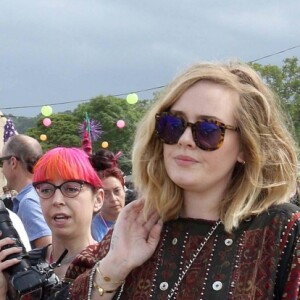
column 70, row 194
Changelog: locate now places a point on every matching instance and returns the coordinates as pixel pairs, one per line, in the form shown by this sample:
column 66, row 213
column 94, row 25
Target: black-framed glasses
column 69, row 189
column 8, row 157
column 208, row 134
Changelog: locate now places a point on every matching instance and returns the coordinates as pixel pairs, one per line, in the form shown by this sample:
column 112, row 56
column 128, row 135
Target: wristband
column 101, row 290
column 107, row 278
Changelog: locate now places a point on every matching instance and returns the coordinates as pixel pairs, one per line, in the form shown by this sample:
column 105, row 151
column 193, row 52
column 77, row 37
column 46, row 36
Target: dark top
column 260, row 260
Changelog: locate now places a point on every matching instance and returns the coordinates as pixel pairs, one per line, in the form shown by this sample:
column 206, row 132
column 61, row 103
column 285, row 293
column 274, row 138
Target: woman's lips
column 185, row 160
column 60, row 218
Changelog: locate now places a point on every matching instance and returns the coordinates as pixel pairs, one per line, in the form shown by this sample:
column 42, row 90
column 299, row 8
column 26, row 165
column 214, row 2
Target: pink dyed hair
column 67, row 164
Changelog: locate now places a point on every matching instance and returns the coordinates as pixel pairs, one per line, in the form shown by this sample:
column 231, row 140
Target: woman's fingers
column 151, row 221
column 8, row 263
column 6, row 241
column 131, row 210
column 133, row 215
column 154, row 234
column 7, row 248
column 135, row 218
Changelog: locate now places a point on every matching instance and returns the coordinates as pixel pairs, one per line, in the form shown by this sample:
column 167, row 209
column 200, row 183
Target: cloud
column 59, row 50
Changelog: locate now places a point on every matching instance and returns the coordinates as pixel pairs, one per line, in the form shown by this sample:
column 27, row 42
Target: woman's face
column 190, row 167
column 114, row 198
column 71, row 217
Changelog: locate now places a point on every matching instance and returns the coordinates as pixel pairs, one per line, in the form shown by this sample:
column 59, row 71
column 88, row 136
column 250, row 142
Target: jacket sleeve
column 288, row 280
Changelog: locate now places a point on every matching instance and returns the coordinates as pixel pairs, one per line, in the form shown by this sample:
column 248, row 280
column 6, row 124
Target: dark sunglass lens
column 2, row 159
column 208, row 135
column 169, row 128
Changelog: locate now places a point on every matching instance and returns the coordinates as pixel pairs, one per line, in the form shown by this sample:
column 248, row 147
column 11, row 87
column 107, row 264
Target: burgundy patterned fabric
column 260, row 260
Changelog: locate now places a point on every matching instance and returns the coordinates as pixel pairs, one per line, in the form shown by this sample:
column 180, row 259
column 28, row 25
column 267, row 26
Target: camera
column 25, row 279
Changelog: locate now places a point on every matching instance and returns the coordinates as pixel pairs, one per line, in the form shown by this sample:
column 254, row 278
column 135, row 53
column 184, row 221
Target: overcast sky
column 56, row 51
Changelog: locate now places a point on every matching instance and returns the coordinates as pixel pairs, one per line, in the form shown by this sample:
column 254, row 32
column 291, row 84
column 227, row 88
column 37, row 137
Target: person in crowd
column 71, row 192
column 7, row 198
column 215, row 164
column 106, row 165
column 114, row 201
column 130, row 192
column 19, row 155
column 104, row 159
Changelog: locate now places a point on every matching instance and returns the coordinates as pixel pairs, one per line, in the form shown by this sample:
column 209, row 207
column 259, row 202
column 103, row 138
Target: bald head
column 27, row 149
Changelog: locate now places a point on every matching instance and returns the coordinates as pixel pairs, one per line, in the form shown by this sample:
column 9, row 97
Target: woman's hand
column 4, row 264
column 133, row 242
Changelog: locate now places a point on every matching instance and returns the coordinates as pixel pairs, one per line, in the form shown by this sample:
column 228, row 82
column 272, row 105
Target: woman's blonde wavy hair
column 269, row 174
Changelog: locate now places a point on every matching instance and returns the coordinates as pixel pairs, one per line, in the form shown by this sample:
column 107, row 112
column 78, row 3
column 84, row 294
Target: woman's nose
column 58, row 197
column 187, row 138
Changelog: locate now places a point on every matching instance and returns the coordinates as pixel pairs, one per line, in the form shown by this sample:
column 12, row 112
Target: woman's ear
column 99, row 198
column 240, row 158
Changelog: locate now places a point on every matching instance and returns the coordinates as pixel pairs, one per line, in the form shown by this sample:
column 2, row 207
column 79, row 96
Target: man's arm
column 41, row 242
column 35, row 225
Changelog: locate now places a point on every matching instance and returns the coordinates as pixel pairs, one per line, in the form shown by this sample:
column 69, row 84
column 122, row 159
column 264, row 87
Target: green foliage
column 22, row 123
column 285, row 82
column 108, row 110
column 64, row 131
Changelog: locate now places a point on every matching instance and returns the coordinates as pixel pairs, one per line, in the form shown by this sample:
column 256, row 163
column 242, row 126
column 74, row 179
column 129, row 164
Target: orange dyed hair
column 66, row 164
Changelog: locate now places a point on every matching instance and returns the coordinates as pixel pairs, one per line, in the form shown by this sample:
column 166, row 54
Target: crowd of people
column 215, row 167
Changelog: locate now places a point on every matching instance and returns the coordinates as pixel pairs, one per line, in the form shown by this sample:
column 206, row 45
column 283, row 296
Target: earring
column 243, row 162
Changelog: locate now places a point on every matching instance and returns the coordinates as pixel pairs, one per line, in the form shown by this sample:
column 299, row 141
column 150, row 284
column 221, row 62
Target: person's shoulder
column 278, row 217
column 288, row 210
column 29, row 199
column 28, row 193
column 96, row 219
column 31, row 192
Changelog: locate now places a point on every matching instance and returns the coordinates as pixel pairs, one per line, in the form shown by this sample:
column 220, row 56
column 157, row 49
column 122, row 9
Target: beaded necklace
column 191, row 261
column 183, row 271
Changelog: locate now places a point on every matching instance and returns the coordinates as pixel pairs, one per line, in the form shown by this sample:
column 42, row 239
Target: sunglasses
column 8, row 157
column 208, row 134
column 69, row 189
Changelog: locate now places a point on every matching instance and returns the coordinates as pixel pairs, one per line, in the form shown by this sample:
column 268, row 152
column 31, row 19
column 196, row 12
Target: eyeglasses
column 8, row 157
column 208, row 134
column 69, row 189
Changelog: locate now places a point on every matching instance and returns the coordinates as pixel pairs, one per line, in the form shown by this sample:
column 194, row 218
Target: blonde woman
column 216, row 165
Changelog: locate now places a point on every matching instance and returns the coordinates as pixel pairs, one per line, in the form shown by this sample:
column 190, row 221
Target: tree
column 285, row 82
column 108, row 110
column 22, row 123
column 63, row 131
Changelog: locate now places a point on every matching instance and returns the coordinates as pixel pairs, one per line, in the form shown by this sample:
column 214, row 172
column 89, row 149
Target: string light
column 138, row 91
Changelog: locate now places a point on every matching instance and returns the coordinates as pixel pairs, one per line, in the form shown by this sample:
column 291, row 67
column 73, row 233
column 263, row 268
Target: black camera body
column 26, row 281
